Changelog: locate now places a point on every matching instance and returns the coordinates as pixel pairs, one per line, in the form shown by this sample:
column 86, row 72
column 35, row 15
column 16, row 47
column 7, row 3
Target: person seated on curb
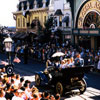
column 23, row 94
column 57, row 96
column 17, row 95
column 8, row 93
column 21, row 82
column 2, row 93
column 46, row 95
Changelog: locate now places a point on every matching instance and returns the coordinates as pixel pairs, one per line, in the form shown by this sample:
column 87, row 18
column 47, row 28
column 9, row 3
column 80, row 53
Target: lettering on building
column 93, row 5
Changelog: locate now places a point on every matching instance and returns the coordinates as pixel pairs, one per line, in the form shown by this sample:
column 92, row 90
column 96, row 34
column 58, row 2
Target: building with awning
column 30, row 11
column 61, row 11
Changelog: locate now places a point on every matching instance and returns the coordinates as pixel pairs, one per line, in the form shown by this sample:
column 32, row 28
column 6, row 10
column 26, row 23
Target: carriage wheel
column 84, row 86
column 37, row 80
column 59, row 88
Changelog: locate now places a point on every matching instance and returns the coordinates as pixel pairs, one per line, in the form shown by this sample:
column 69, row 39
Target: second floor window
column 23, row 22
column 18, row 22
column 44, row 19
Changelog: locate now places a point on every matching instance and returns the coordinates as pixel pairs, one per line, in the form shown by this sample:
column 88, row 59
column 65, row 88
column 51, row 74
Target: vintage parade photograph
column 50, row 50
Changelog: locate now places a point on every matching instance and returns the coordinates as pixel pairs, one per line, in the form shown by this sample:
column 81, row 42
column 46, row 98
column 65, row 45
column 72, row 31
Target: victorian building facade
column 29, row 12
column 61, row 11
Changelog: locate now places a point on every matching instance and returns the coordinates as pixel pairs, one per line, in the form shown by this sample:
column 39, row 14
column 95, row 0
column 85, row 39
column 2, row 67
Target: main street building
column 30, row 12
column 87, row 23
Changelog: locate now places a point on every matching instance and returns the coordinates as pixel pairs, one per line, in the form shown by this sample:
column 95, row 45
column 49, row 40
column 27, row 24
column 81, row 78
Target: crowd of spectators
column 44, row 52
column 16, row 87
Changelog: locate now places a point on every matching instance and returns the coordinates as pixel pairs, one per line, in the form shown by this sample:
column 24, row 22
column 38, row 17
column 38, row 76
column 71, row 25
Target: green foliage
column 59, row 34
column 40, row 28
column 47, row 29
column 49, row 23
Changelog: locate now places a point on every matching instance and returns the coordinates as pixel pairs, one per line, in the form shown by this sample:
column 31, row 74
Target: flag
column 17, row 60
column 4, row 63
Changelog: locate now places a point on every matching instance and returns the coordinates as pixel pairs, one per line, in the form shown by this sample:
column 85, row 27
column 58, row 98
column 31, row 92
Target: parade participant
column 68, row 64
column 62, row 65
column 79, row 62
column 71, row 64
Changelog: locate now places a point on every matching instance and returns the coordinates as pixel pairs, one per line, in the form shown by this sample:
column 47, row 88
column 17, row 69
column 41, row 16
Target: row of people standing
column 44, row 52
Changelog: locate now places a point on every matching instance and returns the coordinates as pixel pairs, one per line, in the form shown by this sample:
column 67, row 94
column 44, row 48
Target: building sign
column 91, row 5
column 88, row 32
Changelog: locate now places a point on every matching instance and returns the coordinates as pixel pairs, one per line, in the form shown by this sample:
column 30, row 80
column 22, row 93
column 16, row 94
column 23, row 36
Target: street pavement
column 28, row 72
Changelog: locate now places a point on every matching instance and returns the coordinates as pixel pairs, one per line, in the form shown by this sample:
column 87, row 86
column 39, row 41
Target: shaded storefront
column 88, row 38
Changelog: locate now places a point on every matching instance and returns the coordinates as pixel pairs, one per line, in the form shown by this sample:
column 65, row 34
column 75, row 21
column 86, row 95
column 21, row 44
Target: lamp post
column 8, row 47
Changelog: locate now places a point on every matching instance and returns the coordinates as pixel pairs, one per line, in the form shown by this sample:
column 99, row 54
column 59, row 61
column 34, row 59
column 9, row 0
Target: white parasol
column 58, row 54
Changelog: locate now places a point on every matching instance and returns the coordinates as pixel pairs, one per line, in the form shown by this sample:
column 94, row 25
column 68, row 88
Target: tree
column 58, row 33
column 47, row 29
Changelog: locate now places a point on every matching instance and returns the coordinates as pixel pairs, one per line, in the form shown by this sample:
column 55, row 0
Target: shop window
column 23, row 22
column 44, row 19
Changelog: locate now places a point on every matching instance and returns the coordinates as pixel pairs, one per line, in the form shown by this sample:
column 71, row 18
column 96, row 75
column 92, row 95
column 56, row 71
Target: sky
column 6, row 9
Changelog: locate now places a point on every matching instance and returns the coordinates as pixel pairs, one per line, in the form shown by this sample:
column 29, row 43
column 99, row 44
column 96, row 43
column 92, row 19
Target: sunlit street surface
column 90, row 94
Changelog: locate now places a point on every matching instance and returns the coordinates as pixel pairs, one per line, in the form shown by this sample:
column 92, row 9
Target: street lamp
column 8, row 47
